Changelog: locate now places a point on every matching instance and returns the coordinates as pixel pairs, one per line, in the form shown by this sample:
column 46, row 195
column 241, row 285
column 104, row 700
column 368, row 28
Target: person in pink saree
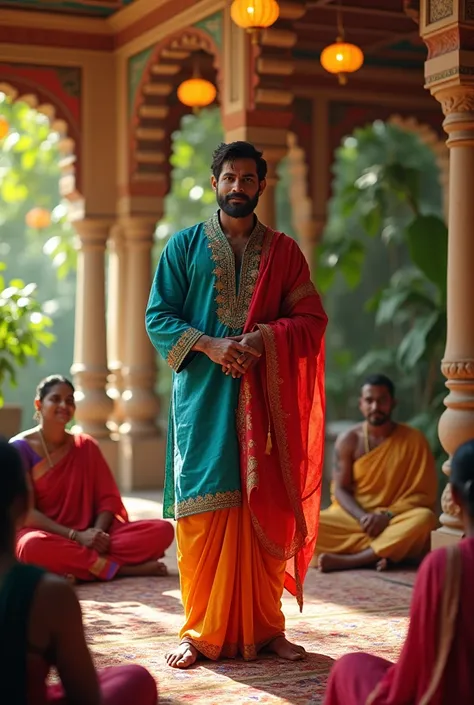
column 435, row 665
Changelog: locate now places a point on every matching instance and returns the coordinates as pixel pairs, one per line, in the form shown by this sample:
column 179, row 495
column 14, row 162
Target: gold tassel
column 269, row 447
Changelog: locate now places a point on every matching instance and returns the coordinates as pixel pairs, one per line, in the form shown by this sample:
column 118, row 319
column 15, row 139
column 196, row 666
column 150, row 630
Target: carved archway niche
column 68, row 188
column 429, row 137
column 157, row 111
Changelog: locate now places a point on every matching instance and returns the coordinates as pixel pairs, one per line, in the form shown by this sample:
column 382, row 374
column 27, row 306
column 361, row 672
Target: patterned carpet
column 135, row 620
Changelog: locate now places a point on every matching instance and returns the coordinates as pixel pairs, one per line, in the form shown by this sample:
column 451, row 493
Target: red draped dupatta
column 282, row 408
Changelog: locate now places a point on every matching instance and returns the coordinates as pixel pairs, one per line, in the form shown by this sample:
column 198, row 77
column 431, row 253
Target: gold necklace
column 365, row 430
column 45, row 448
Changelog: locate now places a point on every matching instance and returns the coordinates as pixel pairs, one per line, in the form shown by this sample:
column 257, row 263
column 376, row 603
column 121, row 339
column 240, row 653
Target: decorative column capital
column 138, row 228
column 457, row 99
column 457, row 104
column 93, row 232
column 116, row 239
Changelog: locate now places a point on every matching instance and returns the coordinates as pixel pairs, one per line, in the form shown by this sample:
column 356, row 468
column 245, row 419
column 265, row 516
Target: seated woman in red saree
column 79, row 526
column 41, row 624
column 435, row 666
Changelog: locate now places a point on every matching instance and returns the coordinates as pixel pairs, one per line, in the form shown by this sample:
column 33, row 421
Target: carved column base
column 451, row 530
column 141, row 463
column 444, row 537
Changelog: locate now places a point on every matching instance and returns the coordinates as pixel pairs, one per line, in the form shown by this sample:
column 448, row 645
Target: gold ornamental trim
column 208, row 503
column 294, row 297
column 183, row 347
column 233, row 305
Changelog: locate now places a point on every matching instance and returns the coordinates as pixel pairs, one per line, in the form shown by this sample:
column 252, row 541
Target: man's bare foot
column 71, row 579
column 285, row 649
column 328, row 562
column 382, row 565
column 144, row 570
column 183, row 656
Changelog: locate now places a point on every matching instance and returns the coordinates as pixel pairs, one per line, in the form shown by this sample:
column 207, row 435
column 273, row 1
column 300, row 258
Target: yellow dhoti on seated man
column 383, row 492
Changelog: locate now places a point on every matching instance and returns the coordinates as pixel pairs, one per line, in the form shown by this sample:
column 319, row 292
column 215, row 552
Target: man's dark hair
column 237, row 150
column 378, row 380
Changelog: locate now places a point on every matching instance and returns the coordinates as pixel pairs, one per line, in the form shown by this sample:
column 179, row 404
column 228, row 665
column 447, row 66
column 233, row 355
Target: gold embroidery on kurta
column 208, row 503
column 183, row 347
column 233, row 306
column 294, row 297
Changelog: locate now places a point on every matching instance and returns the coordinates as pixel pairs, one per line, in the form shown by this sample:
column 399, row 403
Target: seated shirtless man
column 383, row 491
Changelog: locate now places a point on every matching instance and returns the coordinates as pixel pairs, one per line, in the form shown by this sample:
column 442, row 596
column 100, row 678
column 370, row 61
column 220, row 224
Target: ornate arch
column 61, row 122
column 428, row 136
column 157, row 112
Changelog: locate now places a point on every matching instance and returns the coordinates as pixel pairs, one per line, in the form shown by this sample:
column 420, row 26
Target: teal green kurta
column 196, row 290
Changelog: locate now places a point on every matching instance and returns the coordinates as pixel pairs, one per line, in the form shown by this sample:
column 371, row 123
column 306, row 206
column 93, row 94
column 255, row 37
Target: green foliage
column 29, row 174
column 427, row 238
column 24, row 329
column 386, row 236
column 29, row 177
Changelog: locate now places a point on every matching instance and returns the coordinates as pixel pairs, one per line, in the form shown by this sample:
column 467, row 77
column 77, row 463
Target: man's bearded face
column 376, row 404
column 238, row 188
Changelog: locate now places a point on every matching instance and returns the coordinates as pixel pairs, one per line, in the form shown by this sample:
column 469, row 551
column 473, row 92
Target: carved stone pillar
column 142, row 445
column 302, row 212
column 448, row 31
column 457, row 423
column 116, row 331
column 266, row 209
column 89, row 368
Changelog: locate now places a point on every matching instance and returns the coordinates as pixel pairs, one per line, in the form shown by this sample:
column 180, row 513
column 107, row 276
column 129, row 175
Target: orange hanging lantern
column 254, row 15
column 4, row 127
column 38, row 218
column 197, row 93
column 342, row 58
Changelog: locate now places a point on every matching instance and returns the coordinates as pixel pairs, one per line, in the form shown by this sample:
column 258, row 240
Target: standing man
column 233, row 311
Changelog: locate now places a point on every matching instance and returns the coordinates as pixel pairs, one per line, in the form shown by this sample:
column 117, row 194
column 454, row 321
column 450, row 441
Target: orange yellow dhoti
column 231, row 587
column 407, row 535
column 399, row 476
